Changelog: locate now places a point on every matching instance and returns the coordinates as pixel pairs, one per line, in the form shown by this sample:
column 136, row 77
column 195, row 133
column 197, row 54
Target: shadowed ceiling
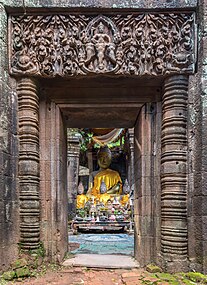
column 101, row 102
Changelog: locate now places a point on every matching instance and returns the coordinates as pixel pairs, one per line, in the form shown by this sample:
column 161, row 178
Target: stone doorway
column 56, row 106
column 129, row 74
column 101, row 107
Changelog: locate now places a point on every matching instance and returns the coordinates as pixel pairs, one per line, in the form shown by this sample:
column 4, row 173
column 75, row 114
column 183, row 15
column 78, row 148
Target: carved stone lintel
column 28, row 110
column 174, row 243
column 143, row 44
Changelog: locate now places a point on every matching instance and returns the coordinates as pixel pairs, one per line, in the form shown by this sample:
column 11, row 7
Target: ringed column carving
column 28, row 111
column 174, row 173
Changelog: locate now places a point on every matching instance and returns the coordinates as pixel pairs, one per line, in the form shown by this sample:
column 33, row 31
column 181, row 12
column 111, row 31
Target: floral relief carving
column 70, row 44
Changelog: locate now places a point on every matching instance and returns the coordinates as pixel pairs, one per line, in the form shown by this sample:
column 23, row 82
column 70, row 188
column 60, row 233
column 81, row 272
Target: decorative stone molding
column 127, row 44
column 174, row 170
column 28, row 110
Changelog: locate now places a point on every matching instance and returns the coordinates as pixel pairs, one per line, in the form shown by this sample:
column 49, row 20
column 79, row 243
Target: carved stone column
column 131, row 152
column 73, row 170
column 174, row 173
column 28, row 111
column 90, row 160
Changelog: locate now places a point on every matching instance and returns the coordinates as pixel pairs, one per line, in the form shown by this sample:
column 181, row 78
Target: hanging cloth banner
column 108, row 138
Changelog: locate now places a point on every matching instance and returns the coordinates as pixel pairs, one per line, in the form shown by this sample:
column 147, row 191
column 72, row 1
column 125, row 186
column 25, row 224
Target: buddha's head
column 104, row 157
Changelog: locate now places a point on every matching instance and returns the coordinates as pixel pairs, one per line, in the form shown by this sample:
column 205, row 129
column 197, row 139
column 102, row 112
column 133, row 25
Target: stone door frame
column 103, row 55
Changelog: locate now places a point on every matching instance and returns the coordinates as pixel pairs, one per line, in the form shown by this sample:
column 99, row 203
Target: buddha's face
column 80, row 191
column 104, row 160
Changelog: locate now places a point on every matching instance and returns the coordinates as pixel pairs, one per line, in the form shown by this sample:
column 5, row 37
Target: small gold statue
column 126, row 190
column 81, row 198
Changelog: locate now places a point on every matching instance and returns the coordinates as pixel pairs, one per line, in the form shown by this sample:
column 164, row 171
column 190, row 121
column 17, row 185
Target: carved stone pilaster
column 28, row 111
column 131, row 153
column 174, row 173
column 73, row 153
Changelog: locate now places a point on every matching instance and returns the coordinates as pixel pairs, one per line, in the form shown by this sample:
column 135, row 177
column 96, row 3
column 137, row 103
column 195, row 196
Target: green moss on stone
column 9, row 275
column 166, row 277
column 188, row 282
column 19, row 263
column 196, row 277
column 23, row 272
column 153, row 268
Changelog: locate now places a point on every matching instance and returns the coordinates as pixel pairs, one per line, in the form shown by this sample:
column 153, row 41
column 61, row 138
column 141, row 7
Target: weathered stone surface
column 58, row 45
column 9, row 275
column 19, row 263
column 98, row 4
column 73, row 153
column 153, row 268
column 22, row 272
column 197, row 152
column 53, row 181
column 146, row 226
column 28, row 111
column 53, row 191
column 174, row 171
column 9, row 221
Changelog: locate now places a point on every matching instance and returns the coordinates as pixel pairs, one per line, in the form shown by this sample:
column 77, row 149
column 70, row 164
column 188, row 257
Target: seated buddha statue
column 81, row 198
column 109, row 177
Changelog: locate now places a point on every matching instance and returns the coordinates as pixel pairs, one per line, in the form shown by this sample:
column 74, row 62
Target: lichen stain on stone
column 6, row 191
column 192, row 116
column 97, row 3
column 205, row 61
column 205, row 71
column 4, row 130
column 7, row 212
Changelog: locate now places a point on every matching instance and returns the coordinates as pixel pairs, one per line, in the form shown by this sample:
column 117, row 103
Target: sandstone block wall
column 9, row 221
column 197, row 152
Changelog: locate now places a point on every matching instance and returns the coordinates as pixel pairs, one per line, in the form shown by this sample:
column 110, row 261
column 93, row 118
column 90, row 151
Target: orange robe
column 109, row 176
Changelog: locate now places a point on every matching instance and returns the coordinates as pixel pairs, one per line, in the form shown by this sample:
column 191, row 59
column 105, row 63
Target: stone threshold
column 106, row 261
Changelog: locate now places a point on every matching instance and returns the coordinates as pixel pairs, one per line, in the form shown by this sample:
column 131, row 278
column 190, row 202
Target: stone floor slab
column 102, row 261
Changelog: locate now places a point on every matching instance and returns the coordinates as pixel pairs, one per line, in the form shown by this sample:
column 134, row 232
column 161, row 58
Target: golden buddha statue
column 110, row 177
column 81, row 198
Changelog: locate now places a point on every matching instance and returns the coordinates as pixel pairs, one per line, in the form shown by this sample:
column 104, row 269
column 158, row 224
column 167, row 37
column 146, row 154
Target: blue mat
column 104, row 243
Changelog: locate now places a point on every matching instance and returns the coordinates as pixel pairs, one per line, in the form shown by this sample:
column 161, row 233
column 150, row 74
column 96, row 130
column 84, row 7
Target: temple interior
column 103, row 196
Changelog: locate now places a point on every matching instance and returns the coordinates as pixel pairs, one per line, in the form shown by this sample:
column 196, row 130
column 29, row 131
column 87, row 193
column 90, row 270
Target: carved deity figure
column 101, row 49
column 110, row 177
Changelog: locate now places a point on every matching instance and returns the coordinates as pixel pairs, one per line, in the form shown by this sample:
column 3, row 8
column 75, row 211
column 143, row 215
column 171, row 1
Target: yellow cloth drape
column 109, row 176
column 108, row 138
column 104, row 198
